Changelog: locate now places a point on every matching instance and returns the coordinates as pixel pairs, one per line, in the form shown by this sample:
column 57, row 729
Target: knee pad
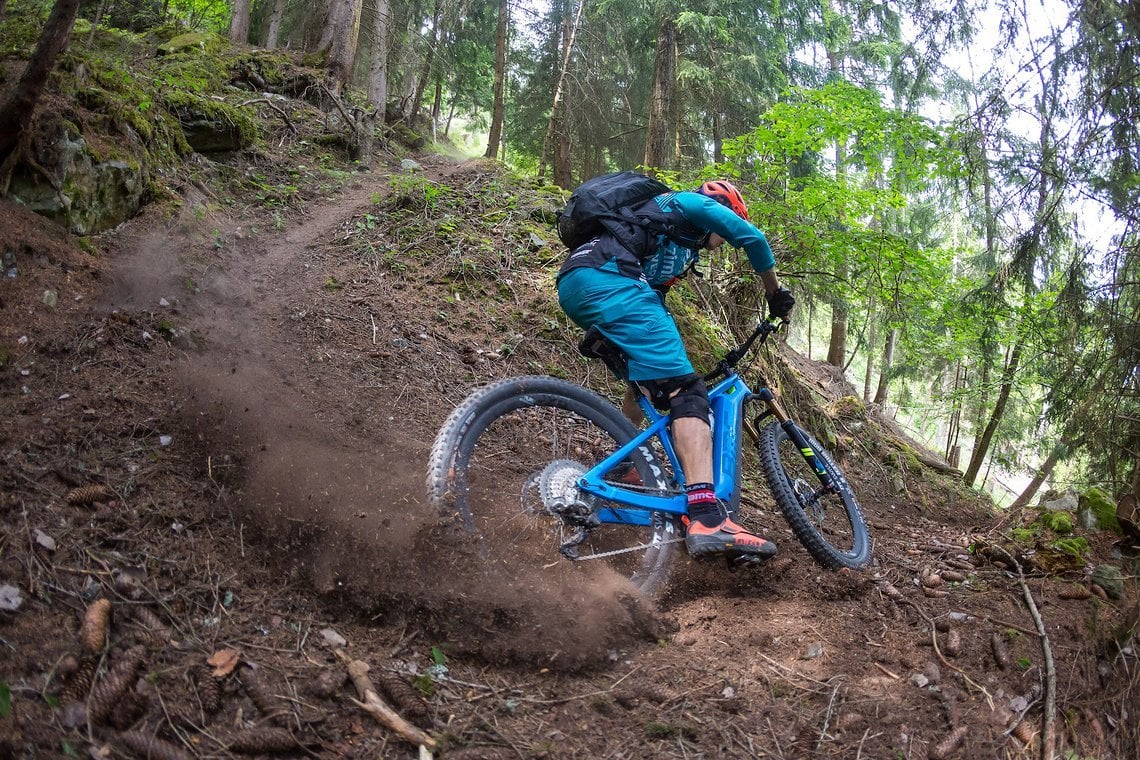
column 682, row 396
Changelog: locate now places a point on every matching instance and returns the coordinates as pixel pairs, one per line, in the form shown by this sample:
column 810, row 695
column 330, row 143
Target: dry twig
column 371, row 702
column 1049, row 738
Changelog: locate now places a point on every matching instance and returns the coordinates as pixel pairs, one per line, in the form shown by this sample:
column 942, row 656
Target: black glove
column 780, row 302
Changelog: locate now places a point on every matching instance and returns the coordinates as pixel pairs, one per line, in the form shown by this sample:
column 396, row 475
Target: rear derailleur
column 580, row 517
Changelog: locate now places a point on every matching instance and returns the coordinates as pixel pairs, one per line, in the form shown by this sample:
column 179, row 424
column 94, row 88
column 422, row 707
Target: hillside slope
column 220, row 421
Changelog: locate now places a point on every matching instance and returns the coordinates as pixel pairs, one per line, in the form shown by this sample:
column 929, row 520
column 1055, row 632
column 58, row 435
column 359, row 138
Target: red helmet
column 726, row 194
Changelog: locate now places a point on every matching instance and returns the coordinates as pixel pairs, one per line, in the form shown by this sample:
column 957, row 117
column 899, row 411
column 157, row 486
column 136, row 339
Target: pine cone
column 405, row 698
column 93, row 632
column 653, row 692
column 151, row 747
column 209, row 689
column 155, row 632
column 85, row 495
column 127, row 711
column 1074, row 592
column 114, row 686
column 79, row 682
column 1000, row 650
column 948, row 746
column 263, row 741
column 1024, row 732
column 268, row 705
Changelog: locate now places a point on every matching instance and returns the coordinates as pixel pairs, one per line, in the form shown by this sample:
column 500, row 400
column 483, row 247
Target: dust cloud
column 344, row 510
column 335, row 501
column 348, row 515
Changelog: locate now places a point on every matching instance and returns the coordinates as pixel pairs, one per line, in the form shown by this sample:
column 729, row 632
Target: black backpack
column 605, row 203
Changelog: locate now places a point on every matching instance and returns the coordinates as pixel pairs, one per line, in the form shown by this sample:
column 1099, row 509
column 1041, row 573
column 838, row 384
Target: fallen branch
column 1049, row 738
column 280, row 111
column 371, row 703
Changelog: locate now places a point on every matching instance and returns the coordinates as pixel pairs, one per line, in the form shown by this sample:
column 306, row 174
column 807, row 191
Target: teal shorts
column 629, row 313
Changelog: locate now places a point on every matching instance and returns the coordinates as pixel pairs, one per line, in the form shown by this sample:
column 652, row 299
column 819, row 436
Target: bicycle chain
column 628, row 549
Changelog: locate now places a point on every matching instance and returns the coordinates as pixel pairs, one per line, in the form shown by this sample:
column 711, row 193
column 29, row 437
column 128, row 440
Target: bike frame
column 727, row 401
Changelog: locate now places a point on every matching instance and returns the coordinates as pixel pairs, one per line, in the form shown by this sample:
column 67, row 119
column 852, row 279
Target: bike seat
column 595, row 345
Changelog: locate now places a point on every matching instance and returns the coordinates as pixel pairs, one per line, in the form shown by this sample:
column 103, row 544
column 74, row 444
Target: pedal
column 743, row 561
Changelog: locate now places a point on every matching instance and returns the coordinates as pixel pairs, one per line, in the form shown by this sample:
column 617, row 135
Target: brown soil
column 259, row 405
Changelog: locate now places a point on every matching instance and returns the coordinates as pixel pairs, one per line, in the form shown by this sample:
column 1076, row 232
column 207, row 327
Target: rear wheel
column 828, row 522
column 507, row 461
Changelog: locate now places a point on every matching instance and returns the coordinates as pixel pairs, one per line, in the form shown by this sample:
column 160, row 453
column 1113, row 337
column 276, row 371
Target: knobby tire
column 500, row 436
column 834, row 531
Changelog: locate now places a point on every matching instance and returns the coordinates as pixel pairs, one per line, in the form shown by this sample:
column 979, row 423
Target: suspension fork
column 796, row 435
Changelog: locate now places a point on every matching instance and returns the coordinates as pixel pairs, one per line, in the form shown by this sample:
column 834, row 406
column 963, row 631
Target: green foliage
column 5, row 700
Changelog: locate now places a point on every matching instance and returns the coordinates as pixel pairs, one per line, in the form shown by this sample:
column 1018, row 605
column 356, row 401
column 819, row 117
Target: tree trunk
column 885, row 368
column 96, row 22
column 498, row 105
column 837, row 346
column 343, row 49
column 378, row 71
column 872, row 339
column 556, row 125
column 657, row 143
column 429, row 60
column 718, row 137
column 239, row 22
column 274, row 31
column 1040, row 476
column 953, row 450
column 1071, row 436
column 332, row 24
column 436, row 108
column 17, row 111
column 982, row 445
column 811, row 318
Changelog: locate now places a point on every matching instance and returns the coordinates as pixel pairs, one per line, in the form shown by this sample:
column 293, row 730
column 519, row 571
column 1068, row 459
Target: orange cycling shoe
column 725, row 538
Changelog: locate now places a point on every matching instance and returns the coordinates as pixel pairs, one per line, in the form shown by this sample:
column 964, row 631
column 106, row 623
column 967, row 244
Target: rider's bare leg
column 693, row 440
column 630, row 407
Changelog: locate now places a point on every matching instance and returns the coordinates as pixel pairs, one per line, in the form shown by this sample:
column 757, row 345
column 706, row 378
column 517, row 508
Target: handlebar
column 727, row 365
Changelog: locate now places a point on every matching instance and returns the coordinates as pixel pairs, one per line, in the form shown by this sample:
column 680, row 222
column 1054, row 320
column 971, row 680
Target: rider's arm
column 706, row 213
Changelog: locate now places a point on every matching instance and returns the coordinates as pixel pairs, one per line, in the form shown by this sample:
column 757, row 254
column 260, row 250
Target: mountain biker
column 621, row 292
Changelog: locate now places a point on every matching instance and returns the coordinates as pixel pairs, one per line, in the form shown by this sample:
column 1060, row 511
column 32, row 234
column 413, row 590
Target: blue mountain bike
column 533, row 467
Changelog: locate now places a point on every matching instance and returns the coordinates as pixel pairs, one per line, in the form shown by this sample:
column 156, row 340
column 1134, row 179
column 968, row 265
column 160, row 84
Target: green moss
column 1058, row 522
column 1075, row 547
column 849, row 406
column 22, row 24
column 191, row 41
column 1023, row 535
column 1101, row 505
column 188, row 104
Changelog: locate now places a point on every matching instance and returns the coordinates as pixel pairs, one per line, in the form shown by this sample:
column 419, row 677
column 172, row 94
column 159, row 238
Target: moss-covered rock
column 74, row 185
column 1111, row 579
column 212, row 126
column 408, row 137
column 851, row 407
column 1098, row 510
column 204, row 41
column 1058, row 522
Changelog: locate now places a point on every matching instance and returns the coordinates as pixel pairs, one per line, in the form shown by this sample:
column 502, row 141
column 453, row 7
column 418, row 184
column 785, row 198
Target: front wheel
column 827, row 520
column 508, row 458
